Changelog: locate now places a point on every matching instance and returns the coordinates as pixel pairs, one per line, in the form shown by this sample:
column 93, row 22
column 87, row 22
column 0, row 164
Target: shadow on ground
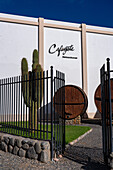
column 89, row 158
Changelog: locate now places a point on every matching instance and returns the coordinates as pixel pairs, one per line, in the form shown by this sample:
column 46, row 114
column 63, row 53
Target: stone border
column 25, row 147
column 30, row 148
column 79, row 138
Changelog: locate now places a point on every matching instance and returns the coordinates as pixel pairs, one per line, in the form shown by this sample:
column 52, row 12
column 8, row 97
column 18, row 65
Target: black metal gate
column 59, row 113
column 27, row 108
column 106, row 111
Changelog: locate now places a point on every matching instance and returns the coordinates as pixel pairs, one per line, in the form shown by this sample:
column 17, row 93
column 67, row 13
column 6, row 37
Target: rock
column 10, row 148
column 60, row 156
column 21, row 152
column 37, row 148
column 1, row 138
column 25, row 146
column 15, row 150
column 18, row 143
column 45, row 145
column 31, row 153
column 25, row 141
column 3, row 146
column 44, row 156
column 6, row 140
column 11, row 141
column 56, row 159
column 31, row 143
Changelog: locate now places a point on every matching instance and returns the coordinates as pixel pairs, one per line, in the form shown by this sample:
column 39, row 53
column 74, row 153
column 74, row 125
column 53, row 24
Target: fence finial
column 108, row 59
column 51, row 67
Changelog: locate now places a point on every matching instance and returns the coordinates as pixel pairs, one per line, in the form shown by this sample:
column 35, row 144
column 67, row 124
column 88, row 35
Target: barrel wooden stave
column 97, row 97
column 75, row 102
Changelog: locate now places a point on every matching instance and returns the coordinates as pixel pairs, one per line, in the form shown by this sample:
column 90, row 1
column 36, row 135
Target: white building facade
column 78, row 50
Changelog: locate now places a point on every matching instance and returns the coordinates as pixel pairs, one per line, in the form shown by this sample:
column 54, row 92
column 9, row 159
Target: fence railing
column 106, row 86
column 27, row 108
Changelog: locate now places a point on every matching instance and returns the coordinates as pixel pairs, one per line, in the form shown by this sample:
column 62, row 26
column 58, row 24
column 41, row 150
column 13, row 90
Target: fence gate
column 107, row 110
column 27, row 107
column 59, row 113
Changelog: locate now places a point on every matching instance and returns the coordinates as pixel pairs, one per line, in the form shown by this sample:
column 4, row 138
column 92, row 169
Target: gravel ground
column 85, row 154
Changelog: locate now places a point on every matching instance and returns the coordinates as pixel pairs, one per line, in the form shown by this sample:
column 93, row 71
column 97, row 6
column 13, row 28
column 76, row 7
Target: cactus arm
column 37, row 69
column 26, row 84
column 24, row 67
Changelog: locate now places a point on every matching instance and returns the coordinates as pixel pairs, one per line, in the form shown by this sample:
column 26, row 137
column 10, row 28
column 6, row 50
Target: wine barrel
column 97, row 97
column 70, row 100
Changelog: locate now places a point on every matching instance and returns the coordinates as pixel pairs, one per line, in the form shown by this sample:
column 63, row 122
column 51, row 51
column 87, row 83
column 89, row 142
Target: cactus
column 31, row 87
column 36, row 68
column 25, row 84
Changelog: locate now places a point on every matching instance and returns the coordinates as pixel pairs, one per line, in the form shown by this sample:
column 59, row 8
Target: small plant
column 32, row 87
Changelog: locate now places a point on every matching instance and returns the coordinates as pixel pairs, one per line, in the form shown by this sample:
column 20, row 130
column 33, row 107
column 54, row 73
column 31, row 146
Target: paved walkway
column 84, row 155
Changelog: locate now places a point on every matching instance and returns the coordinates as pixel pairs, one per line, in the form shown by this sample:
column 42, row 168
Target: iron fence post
column 110, row 109
column 64, row 118
column 103, row 106
column 52, row 112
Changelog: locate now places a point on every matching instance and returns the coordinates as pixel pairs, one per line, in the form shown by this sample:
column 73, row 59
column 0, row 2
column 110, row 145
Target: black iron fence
column 106, row 87
column 27, row 107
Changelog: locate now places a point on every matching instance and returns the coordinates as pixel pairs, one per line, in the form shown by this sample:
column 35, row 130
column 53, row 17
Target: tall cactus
column 31, row 87
column 26, row 86
column 36, row 70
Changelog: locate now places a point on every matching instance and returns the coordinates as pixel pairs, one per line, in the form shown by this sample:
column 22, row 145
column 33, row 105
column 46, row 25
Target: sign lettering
column 53, row 49
column 61, row 50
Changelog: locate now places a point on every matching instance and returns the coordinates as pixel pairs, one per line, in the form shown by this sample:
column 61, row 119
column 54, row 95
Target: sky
column 90, row 12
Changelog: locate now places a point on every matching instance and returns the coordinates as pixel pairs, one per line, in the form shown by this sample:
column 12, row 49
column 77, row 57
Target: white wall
column 99, row 47
column 16, row 41
column 71, row 67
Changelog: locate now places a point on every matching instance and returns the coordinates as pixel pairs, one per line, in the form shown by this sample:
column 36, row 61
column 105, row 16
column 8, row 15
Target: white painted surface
column 99, row 47
column 16, row 41
column 71, row 67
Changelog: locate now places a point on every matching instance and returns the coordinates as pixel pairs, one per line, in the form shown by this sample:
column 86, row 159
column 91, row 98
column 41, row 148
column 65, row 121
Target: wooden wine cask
column 70, row 100
column 97, row 97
